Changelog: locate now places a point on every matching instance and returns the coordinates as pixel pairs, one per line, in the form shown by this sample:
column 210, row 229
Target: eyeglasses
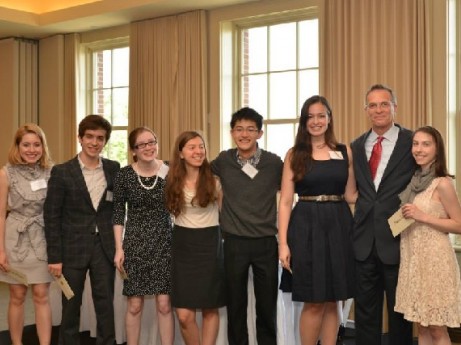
column 141, row 146
column 383, row 105
column 249, row 130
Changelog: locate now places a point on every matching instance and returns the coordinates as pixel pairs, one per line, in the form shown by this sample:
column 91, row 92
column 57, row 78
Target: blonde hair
column 14, row 157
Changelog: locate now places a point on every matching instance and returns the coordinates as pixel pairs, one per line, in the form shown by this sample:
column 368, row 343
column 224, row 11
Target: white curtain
column 287, row 317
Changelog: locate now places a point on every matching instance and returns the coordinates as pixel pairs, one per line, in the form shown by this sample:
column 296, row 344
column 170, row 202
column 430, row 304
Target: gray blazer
column 373, row 208
column 70, row 218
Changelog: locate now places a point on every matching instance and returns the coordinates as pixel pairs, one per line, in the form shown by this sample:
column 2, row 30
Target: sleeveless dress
column 429, row 287
column 320, row 237
column 147, row 237
column 25, row 242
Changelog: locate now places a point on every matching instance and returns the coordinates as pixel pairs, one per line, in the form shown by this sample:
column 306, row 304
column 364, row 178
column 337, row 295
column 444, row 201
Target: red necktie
column 375, row 157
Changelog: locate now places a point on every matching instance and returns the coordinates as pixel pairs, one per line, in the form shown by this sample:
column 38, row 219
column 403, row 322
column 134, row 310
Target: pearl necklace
column 142, row 184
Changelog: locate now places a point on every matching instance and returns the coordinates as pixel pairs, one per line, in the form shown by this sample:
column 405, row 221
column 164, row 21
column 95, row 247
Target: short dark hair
column 94, row 122
column 381, row 87
column 247, row 113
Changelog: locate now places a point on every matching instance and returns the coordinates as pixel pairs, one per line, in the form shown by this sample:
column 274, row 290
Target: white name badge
column 109, row 196
column 336, row 155
column 163, row 171
column 250, row 170
column 37, row 185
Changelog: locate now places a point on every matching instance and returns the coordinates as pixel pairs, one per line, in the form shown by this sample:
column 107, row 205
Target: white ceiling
column 36, row 19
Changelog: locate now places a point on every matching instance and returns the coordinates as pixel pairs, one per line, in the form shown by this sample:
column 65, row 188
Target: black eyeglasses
column 141, row 146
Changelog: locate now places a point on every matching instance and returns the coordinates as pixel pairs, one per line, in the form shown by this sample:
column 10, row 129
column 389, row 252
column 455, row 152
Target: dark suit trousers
column 262, row 255
column 373, row 279
column 102, row 274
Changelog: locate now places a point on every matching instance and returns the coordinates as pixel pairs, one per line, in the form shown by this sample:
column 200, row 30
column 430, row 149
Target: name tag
column 336, row 155
column 37, row 185
column 109, row 196
column 250, row 170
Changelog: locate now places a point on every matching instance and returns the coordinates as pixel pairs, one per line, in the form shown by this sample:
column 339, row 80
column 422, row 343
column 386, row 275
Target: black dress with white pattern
column 148, row 231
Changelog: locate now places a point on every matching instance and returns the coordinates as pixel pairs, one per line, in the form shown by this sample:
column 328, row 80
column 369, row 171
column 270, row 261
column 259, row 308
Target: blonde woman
column 23, row 186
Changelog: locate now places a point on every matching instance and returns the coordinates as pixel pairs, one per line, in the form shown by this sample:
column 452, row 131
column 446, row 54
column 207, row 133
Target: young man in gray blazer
column 377, row 252
column 78, row 228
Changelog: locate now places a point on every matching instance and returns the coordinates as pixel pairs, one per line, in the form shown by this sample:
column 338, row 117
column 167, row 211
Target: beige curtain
column 58, row 69
column 27, row 80
column 19, row 85
column 374, row 41
column 71, row 73
column 168, row 76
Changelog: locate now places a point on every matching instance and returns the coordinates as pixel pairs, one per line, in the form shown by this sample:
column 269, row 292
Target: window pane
column 117, row 147
column 121, row 57
column 282, row 45
column 282, row 95
column 280, row 138
column 308, row 85
column 308, row 43
column 102, row 103
column 120, row 107
column 254, row 50
column 254, row 95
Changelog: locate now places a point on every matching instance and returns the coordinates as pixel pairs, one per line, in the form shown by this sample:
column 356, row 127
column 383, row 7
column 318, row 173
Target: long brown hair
column 174, row 190
column 440, row 163
column 301, row 153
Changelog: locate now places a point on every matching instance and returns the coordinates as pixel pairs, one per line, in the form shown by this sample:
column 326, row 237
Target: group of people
column 187, row 230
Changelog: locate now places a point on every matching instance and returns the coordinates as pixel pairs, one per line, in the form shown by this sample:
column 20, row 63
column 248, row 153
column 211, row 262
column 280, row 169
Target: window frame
column 88, row 50
column 231, row 65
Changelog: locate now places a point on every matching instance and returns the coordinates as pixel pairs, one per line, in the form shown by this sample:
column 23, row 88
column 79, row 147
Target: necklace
column 320, row 146
column 142, row 184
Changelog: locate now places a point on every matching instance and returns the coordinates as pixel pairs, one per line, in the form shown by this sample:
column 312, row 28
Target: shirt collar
column 253, row 160
column 391, row 134
column 82, row 165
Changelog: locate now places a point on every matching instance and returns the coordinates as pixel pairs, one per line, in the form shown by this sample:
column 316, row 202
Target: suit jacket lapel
column 76, row 172
column 395, row 157
column 362, row 161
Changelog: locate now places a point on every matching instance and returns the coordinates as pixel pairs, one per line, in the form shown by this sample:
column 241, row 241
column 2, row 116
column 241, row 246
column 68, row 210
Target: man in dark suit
column 377, row 252
column 78, row 228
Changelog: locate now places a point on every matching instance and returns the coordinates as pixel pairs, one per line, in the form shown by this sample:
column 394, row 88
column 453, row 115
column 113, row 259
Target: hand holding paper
column 65, row 287
column 399, row 223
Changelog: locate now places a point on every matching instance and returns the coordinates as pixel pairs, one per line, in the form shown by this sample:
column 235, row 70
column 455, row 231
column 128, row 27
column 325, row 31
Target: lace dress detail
column 429, row 288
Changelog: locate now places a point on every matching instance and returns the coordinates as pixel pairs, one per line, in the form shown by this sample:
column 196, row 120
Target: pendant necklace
column 142, row 184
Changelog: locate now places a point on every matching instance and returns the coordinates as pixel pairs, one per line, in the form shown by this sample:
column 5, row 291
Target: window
column 278, row 71
column 107, row 95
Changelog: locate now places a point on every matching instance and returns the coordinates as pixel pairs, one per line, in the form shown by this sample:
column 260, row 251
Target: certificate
column 65, row 287
column 398, row 222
